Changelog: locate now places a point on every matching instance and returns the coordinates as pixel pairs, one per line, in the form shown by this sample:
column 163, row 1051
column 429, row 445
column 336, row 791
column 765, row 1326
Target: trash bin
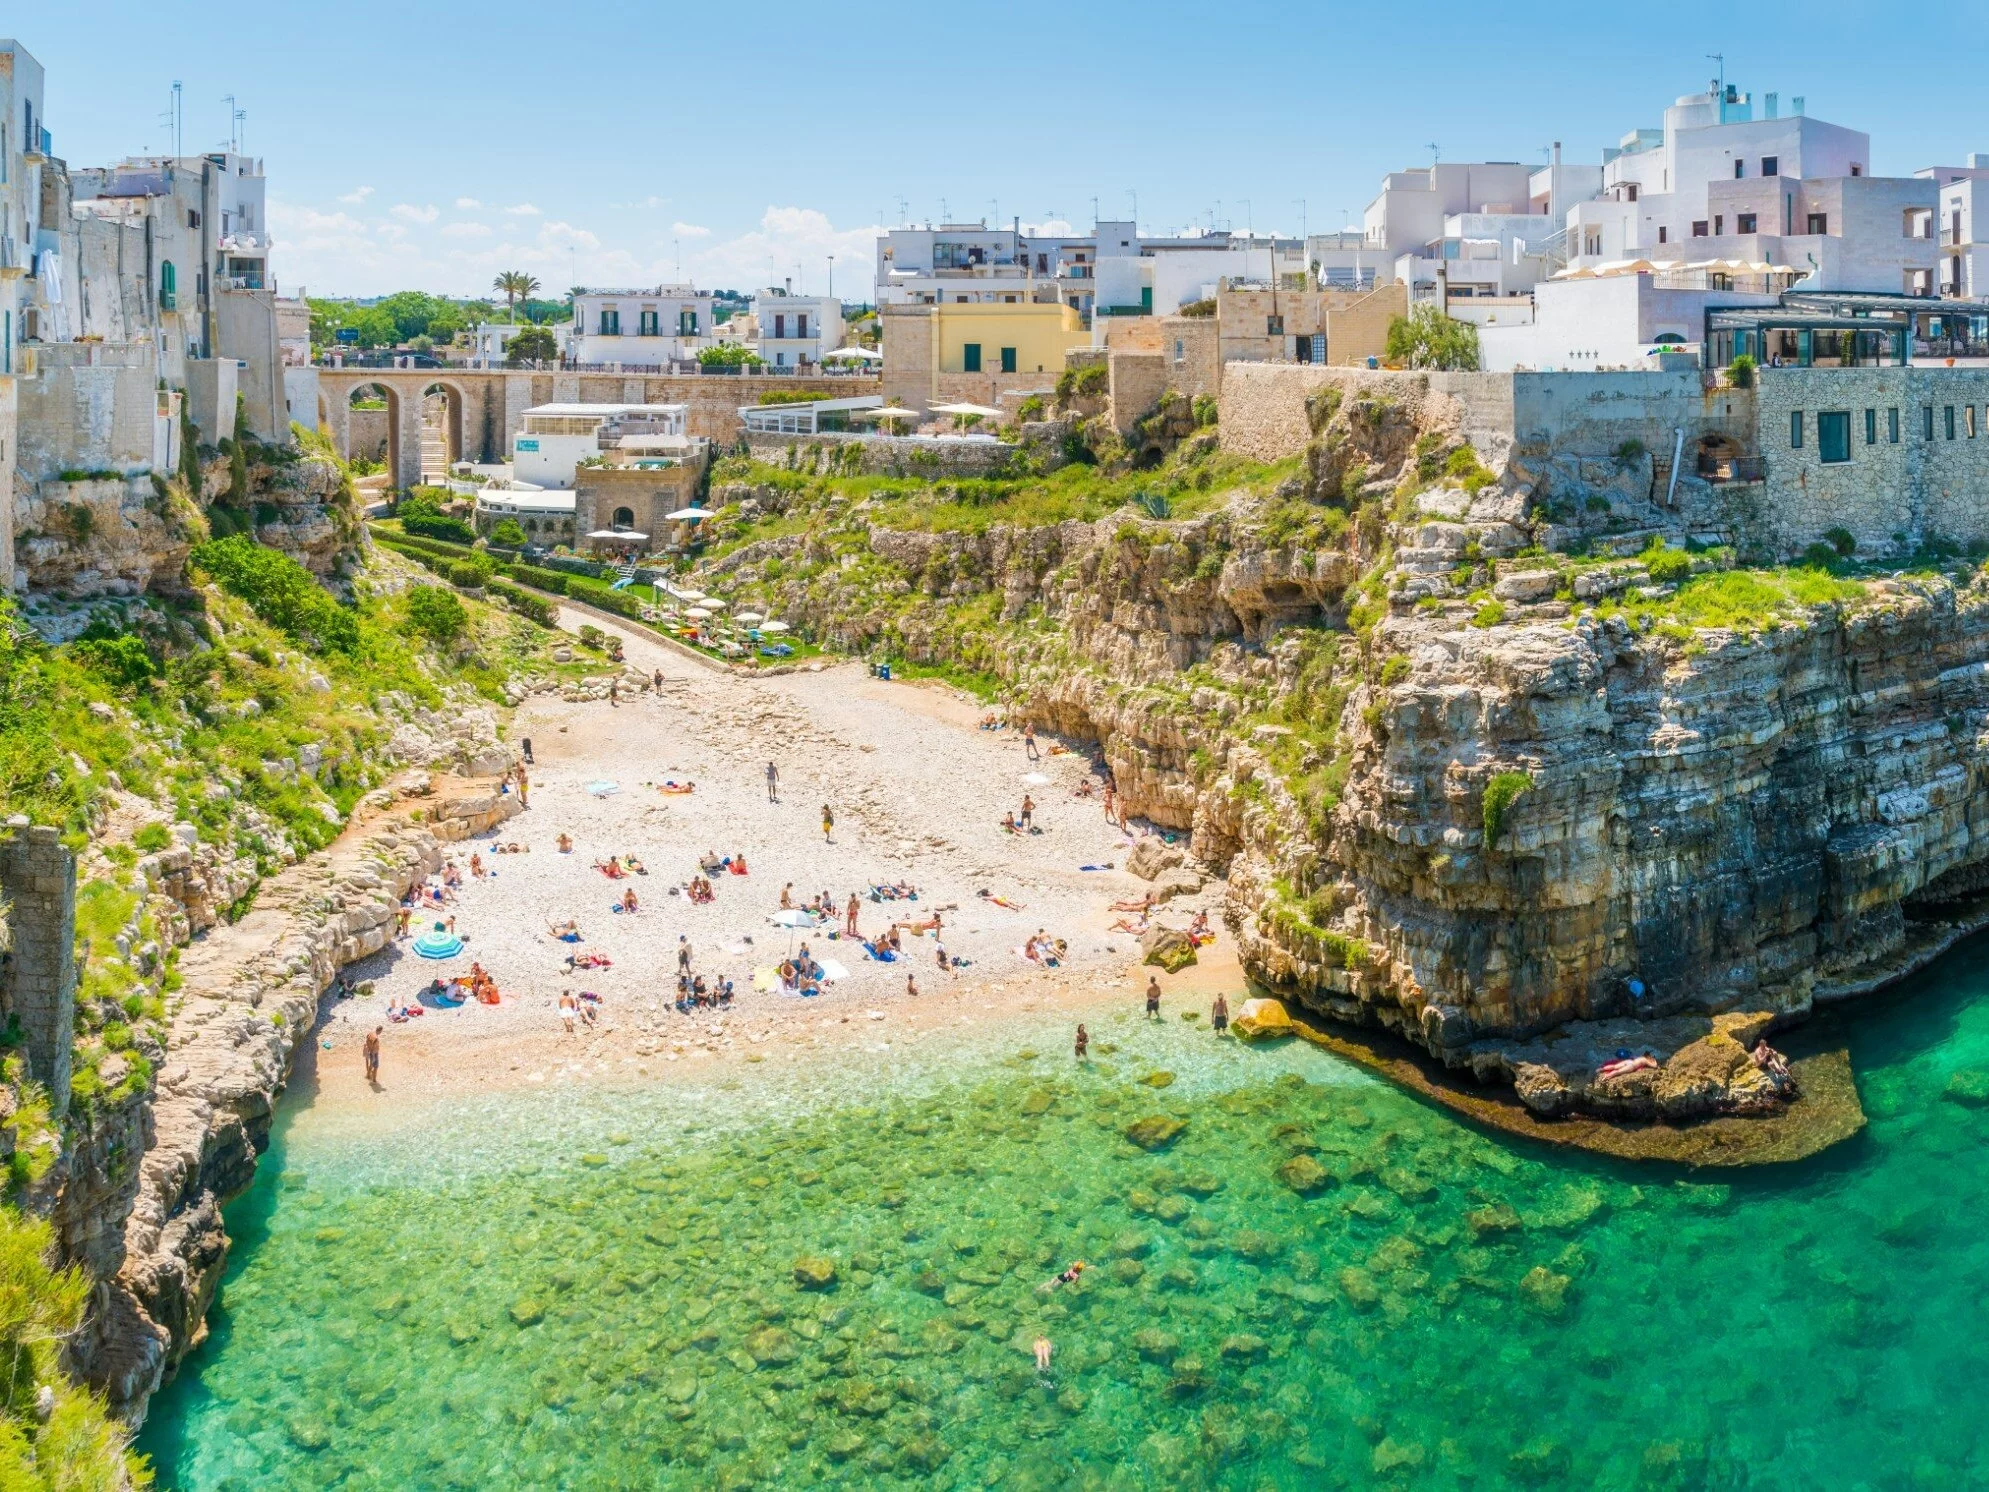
column 883, row 670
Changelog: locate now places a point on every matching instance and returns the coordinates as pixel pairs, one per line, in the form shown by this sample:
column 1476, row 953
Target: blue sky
column 429, row 143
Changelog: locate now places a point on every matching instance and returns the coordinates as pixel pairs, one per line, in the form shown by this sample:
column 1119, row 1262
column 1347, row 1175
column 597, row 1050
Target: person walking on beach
column 615, row 693
column 828, row 825
column 526, row 743
column 1083, row 1041
column 1153, row 997
column 372, row 1051
column 400, row 926
column 568, row 1009
column 524, row 789
column 773, row 783
column 850, row 918
column 683, row 954
column 1219, row 1015
column 1028, row 810
column 1029, row 743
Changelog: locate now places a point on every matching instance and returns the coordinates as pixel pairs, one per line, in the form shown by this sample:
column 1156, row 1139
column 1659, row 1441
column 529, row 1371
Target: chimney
column 1771, row 106
column 789, row 284
column 1796, row 107
column 1557, row 152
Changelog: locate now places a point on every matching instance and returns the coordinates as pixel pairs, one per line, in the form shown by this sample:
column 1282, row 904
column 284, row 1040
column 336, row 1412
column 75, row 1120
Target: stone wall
column 1913, row 488
column 38, row 882
column 1138, row 379
column 89, row 408
column 884, row 455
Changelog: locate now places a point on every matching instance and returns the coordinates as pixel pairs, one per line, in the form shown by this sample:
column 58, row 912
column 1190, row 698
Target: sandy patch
column 918, row 794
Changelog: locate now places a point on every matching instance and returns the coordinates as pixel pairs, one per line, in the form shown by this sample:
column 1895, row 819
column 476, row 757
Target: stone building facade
column 38, row 970
column 633, row 497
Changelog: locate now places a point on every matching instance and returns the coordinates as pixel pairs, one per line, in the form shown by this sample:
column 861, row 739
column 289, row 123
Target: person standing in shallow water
column 1153, row 997
column 1083, row 1041
column 1219, row 1015
column 372, row 1051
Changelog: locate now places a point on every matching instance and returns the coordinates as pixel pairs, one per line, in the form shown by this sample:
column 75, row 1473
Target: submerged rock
column 1155, row 1132
column 1969, row 1087
column 1262, row 1020
column 1305, row 1175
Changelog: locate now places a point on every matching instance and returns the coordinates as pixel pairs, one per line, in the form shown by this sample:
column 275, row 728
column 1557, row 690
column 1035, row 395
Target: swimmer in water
column 1043, row 1351
column 1065, row 1278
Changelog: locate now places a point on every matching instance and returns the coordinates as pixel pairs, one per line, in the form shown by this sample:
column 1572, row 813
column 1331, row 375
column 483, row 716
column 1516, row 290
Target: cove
column 589, row 1288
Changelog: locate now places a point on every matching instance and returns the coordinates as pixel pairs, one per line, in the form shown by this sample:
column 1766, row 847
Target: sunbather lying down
column 1624, row 1066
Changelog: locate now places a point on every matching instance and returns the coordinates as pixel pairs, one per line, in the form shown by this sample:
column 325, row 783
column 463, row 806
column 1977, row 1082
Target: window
column 1719, row 224
column 801, row 324
column 624, row 518
column 1699, row 228
column 1949, row 412
column 779, row 327
column 1969, row 411
column 1592, row 242
column 1008, row 360
column 1856, row 169
column 1833, row 436
column 1744, row 223
column 1180, row 350
column 1892, row 427
column 1927, row 432
column 611, row 322
column 1771, row 165
column 1663, row 235
column 1819, row 224
column 1739, row 169
column 1871, row 427
column 1795, row 430
column 646, row 324
column 970, row 357
column 1274, row 326
column 687, row 323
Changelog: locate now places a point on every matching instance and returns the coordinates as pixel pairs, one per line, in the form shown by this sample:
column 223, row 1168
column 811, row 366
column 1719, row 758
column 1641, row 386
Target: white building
column 640, row 329
column 554, row 439
column 1720, row 182
column 1963, row 223
column 796, row 330
column 1464, row 230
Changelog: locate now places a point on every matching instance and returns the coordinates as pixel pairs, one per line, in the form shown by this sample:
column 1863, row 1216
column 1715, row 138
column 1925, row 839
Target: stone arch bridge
column 483, row 408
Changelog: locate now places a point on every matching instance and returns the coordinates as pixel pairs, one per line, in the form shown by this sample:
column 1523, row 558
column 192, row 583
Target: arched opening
column 624, row 518
column 373, row 431
column 1720, row 458
column 441, row 429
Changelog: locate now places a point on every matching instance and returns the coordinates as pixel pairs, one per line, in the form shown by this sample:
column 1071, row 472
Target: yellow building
column 976, row 350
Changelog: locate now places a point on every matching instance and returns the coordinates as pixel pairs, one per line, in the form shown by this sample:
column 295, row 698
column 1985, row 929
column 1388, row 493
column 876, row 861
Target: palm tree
column 514, row 285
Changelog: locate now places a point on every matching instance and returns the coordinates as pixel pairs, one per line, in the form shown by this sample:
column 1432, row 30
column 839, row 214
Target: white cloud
column 357, row 195
column 690, row 230
column 466, row 230
column 468, row 203
column 1054, row 228
column 566, row 235
column 788, row 238
column 408, row 213
column 523, row 210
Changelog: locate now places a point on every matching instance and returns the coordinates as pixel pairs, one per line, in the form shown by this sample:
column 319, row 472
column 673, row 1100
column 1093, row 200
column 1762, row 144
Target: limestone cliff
column 1734, row 815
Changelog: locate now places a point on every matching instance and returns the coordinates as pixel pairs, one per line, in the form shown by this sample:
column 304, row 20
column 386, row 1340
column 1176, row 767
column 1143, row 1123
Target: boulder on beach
column 1167, row 948
column 1262, row 1020
column 1152, row 855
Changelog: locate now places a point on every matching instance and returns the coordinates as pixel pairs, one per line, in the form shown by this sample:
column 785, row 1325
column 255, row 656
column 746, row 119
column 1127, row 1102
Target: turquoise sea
column 587, row 1289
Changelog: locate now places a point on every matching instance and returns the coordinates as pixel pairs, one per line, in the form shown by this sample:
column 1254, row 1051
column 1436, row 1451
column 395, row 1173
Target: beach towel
column 831, row 970
column 603, row 789
column 1106, row 866
column 765, row 979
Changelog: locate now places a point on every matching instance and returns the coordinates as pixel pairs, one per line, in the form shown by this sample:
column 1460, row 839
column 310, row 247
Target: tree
column 508, row 532
column 514, row 285
column 436, row 613
column 729, row 355
column 531, row 348
column 1426, row 338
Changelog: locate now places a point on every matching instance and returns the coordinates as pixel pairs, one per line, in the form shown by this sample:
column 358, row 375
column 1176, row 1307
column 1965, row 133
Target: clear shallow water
column 1454, row 1311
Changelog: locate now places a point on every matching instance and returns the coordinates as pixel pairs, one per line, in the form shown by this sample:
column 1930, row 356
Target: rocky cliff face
column 251, row 990
column 1707, row 823
column 100, row 534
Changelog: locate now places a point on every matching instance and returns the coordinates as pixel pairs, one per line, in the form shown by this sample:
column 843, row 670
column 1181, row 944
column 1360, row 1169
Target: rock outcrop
column 250, row 994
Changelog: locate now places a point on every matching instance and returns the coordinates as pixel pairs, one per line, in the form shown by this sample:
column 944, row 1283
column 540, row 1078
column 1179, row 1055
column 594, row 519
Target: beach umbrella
column 964, row 408
column 714, row 603
column 698, row 613
column 791, row 917
column 887, row 412
column 774, row 627
column 831, row 970
column 751, row 616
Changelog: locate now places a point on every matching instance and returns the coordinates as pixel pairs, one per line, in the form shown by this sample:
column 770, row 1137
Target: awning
column 617, row 533
column 687, row 515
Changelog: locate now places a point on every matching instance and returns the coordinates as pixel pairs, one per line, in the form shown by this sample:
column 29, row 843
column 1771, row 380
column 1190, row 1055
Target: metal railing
column 1733, row 468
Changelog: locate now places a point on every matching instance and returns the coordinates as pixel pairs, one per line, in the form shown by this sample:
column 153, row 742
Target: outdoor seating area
column 708, row 623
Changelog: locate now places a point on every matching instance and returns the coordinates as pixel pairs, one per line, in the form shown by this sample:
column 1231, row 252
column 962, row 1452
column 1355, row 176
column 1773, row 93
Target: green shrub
column 152, row 838
column 1740, row 372
column 508, row 532
column 279, row 590
column 121, row 658
column 1821, row 557
column 1842, row 540
column 1668, row 566
column 1490, row 614
column 1500, row 794
column 435, row 526
column 1394, row 671
column 436, row 613
column 1629, row 453
column 521, row 601
column 1205, row 411
column 472, row 572
column 539, row 579
column 1030, row 408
